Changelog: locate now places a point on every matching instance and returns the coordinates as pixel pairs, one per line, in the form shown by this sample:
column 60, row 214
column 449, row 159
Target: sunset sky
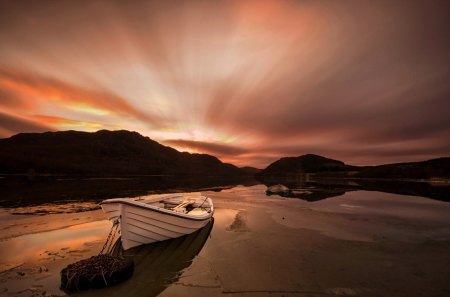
column 366, row 82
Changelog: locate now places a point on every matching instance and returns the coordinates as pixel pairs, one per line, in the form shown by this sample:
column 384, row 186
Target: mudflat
column 358, row 244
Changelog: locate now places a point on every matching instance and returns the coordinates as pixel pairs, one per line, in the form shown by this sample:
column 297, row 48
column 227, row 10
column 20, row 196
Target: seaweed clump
column 96, row 272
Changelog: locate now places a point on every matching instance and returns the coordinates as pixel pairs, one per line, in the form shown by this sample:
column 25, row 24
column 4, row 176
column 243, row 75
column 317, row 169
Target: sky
column 365, row 82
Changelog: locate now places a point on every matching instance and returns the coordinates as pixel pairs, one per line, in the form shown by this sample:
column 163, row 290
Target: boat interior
column 196, row 205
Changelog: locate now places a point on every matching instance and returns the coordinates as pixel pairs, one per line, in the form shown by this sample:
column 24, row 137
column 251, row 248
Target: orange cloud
column 39, row 89
column 11, row 124
column 63, row 123
column 218, row 149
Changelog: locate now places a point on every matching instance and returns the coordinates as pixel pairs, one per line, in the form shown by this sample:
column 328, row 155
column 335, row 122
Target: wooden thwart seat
column 184, row 204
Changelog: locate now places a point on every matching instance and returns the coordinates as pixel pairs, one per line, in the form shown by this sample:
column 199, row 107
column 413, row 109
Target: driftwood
column 96, row 272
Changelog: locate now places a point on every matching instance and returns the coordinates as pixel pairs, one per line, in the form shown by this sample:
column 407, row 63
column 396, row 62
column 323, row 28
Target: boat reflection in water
column 156, row 265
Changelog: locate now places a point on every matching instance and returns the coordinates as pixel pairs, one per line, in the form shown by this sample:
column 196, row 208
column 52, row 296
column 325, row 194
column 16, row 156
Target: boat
column 157, row 265
column 159, row 217
column 277, row 189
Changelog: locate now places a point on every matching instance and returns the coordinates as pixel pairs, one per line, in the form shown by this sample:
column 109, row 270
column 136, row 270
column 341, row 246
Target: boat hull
column 141, row 224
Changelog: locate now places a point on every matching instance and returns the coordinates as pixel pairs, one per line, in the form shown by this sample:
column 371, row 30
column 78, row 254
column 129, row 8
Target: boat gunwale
column 160, row 210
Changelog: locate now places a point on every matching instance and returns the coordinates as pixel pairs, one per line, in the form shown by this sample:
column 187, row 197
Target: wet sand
column 359, row 244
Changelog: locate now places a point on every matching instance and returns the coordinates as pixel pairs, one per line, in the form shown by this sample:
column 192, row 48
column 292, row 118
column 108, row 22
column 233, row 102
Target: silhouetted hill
column 103, row 153
column 321, row 167
column 435, row 168
column 250, row 170
column 309, row 163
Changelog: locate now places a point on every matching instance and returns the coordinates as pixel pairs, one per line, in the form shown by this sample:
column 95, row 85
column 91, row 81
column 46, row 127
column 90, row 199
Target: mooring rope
column 98, row 271
column 110, row 239
column 206, row 197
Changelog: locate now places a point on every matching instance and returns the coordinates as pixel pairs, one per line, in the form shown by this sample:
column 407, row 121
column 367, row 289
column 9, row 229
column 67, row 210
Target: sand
column 358, row 244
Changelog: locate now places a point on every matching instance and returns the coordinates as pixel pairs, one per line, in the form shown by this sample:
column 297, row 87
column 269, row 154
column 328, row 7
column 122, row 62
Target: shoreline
column 15, row 225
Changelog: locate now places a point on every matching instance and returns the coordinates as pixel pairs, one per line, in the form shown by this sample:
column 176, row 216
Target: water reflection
column 30, row 264
column 37, row 246
column 310, row 193
column 314, row 190
column 21, row 191
column 157, row 265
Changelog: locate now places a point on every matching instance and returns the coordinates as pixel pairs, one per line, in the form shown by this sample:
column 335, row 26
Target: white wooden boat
column 277, row 189
column 156, row 265
column 159, row 217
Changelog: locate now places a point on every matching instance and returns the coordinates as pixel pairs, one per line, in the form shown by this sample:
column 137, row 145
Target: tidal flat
column 361, row 243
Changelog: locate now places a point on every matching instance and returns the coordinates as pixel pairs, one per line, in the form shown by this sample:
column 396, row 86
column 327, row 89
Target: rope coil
column 98, row 271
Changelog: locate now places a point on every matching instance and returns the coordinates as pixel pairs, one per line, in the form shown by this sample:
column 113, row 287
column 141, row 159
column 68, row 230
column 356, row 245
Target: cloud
column 68, row 124
column 208, row 147
column 40, row 89
column 249, row 81
column 13, row 124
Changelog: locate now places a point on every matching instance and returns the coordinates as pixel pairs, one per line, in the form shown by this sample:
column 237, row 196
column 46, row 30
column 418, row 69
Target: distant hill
column 320, row 167
column 250, row 170
column 103, row 153
column 309, row 163
column 435, row 168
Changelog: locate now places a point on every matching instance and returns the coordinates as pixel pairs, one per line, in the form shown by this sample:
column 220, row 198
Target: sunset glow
column 246, row 81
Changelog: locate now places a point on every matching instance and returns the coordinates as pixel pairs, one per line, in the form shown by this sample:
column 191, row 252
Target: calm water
column 328, row 240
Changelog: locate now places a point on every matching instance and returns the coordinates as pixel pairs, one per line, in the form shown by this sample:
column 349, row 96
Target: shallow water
column 360, row 243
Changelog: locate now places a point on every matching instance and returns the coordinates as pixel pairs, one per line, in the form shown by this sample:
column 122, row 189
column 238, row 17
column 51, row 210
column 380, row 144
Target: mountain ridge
column 308, row 163
column 320, row 166
column 101, row 153
column 122, row 152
